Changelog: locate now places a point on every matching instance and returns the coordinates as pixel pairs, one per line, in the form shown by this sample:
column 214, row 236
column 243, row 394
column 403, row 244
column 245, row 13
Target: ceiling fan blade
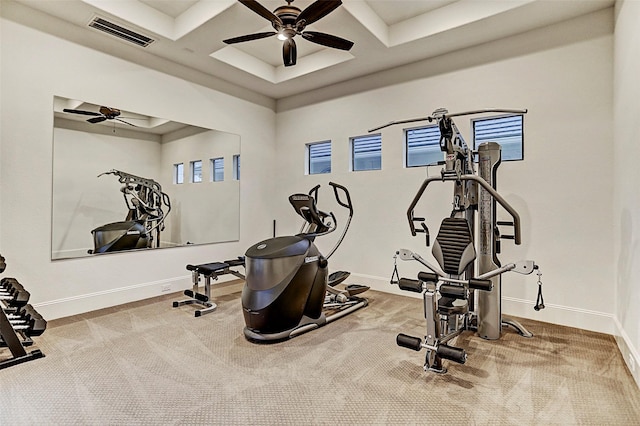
column 327, row 40
column 97, row 119
column 248, row 37
column 78, row 111
column 318, row 10
column 289, row 52
column 262, row 11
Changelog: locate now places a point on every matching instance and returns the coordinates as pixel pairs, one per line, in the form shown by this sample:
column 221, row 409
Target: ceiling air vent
column 120, row 32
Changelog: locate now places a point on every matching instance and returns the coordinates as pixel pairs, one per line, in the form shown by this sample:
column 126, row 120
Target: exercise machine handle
column 515, row 216
column 314, row 192
column 348, row 204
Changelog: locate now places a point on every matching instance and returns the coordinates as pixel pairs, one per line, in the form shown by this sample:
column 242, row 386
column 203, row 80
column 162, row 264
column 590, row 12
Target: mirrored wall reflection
column 116, row 185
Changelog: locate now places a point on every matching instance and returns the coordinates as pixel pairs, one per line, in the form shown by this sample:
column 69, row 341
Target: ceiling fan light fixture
column 286, row 34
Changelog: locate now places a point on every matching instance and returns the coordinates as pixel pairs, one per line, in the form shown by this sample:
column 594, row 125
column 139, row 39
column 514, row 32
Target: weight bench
column 208, row 271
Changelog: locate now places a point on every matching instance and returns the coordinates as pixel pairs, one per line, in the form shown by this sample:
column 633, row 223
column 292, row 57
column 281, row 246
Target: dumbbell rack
column 19, row 321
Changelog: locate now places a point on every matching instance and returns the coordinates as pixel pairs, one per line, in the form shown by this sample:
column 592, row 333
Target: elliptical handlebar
column 314, row 192
column 348, row 204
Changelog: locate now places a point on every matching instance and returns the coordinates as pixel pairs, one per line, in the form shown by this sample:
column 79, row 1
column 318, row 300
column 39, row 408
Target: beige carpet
column 150, row 364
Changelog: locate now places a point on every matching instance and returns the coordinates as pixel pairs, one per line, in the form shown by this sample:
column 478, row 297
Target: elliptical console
column 288, row 290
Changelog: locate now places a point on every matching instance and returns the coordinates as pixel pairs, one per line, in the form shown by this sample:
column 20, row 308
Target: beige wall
column 35, row 68
column 562, row 190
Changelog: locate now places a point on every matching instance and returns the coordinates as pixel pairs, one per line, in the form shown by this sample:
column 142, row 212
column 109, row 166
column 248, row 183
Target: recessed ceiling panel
column 172, row 8
column 392, row 12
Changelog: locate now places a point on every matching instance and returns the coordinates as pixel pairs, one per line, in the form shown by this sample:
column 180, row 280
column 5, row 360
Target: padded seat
column 210, row 268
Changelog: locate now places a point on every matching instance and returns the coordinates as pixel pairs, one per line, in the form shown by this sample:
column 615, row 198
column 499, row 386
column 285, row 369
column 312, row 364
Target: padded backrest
column 453, row 248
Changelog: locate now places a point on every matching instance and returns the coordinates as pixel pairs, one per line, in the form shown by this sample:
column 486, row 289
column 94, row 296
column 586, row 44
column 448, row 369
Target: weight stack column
column 489, row 302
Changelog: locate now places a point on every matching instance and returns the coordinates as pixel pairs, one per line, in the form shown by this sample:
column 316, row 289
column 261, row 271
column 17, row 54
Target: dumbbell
column 12, row 293
column 28, row 321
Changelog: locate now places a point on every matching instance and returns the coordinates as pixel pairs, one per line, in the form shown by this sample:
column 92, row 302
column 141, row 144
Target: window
column 217, row 169
column 178, row 173
column 505, row 130
column 319, row 157
column 366, row 152
column 196, row 171
column 422, row 146
column 236, row 167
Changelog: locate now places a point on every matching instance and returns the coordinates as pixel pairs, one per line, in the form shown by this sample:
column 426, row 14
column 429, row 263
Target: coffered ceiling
column 387, row 34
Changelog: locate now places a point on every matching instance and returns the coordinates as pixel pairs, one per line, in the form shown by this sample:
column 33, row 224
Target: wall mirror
column 190, row 173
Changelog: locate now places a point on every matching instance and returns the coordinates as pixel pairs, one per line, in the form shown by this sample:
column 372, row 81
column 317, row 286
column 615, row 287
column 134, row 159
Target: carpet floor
column 147, row 363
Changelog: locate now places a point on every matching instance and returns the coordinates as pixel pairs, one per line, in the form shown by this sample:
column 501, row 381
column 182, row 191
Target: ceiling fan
column 106, row 113
column 287, row 21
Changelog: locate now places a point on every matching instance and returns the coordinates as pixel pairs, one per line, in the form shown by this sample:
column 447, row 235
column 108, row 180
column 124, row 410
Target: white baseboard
column 83, row 303
column 628, row 351
column 601, row 322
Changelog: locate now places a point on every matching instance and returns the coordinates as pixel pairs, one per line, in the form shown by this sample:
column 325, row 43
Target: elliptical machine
column 288, row 290
column 145, row 216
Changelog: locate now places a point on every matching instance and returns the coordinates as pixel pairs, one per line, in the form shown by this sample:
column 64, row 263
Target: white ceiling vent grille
column 120, row 32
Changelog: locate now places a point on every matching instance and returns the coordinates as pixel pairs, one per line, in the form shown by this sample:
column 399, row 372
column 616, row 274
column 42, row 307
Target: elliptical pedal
column 353, row 289
column 337, row 277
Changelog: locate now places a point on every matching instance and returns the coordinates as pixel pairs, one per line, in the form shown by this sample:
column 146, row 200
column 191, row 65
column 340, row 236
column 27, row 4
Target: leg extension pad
column 410, row 342
column 452, row 353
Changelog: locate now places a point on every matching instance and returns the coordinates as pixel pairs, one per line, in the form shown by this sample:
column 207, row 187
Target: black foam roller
column 408, row 284
column 485, row 285
column 428, row 277
column 452, row 353
column 409, row 342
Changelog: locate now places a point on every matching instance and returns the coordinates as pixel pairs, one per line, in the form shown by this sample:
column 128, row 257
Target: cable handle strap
column 540, row 300
column 395, row 276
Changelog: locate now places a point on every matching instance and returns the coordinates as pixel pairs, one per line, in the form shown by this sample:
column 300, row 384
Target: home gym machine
column 209, row 271
column 288, row 290
column 19, row 322
column 145, row 216
column 449, row 289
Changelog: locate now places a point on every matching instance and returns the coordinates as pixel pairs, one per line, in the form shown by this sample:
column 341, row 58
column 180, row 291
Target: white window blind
column 217, row 169
column 423, row 146
column 366, row 152
column 319, row 155
column 196, row 171
column 505, row 130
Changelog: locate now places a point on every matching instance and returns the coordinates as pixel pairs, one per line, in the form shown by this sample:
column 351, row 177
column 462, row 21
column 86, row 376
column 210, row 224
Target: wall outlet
column 632, row 363
column 165, row 288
